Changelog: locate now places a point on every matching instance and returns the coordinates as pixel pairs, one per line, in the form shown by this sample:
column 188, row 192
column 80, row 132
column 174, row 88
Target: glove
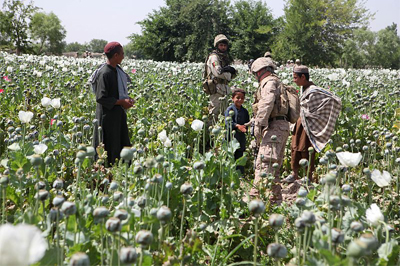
column 258, row 133
column 250, row 63
column 229, row 69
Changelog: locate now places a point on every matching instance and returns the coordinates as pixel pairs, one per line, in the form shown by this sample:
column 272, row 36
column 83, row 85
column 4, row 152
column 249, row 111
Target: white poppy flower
column 349, row 159
column 374, row 215
column 40, row 149
column 333, row 76
column 162, row 136
column 25, row 117
column 180, row 121
column 21, row 245
column 167, row 143
column 381, row 179
column 56, row 103
column 255, row 84
column 14, row 147
column 197, row 125
column 136, row 212
column 9, row 69
column 46, row 102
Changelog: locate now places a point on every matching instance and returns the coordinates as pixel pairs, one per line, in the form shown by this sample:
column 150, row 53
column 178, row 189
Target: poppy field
column 171, row 201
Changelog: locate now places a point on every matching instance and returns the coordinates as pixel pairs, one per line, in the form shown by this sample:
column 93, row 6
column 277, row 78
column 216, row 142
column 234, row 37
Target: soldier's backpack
column 290, row 99
column 209, row 85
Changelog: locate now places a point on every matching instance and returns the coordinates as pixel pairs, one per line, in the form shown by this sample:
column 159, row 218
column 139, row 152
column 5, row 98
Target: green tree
column 315, row 30
column 359, row 50
column 47, row 33
column 75, row 47
column 131, row 50
column 254, row 29
column 97, row 45
column 184, row 30
column 387, row 48
column 373, row 49
column 15, row 23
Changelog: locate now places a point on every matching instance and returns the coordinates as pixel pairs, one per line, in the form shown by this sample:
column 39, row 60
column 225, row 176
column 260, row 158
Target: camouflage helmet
column 268, row 54
column 261, row 63
column 220, row 38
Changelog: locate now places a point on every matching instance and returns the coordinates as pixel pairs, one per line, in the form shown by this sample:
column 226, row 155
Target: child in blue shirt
column 239, row 119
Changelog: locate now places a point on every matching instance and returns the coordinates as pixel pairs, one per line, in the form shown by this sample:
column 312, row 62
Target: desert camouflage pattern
column 219, row 100
column 270, row 151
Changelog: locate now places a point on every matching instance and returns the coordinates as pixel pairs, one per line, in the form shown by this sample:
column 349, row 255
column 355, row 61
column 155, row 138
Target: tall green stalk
column 255, row 240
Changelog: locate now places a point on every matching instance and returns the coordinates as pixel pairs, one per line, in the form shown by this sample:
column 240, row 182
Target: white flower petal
column 349, row 159
column 33, row 241
column 21, row 245
column 386, row 176
column 162, row 136
column 197, row 125
column 167, row 143
column 46, row 102
column 180, row 121
column 40, row 148
column 382, row 180
column 25, row 117
column 14, row 147
column 374, row 215
column 56, row 103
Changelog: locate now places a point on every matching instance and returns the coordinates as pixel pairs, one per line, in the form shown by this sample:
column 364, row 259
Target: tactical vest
column 223, row 59
column 257, row 96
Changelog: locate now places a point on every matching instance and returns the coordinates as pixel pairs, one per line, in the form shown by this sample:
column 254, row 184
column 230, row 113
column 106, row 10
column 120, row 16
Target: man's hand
column 229, row 69
column 258, row 133
column 242, row 128
column 125, row 103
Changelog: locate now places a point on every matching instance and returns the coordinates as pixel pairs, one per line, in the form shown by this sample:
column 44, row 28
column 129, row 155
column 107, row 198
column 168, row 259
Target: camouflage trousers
column 218, row 104
column 270, row 152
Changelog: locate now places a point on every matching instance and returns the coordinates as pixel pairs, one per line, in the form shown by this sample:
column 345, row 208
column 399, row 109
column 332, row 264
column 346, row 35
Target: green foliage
column 47, row 31
column 182, row 31
column 373, row 49
column 254, row 29
column 320, row 27
column 359, row 49
column 75, row 47
column 97, row 45
column 388, row 47
column 15, row 17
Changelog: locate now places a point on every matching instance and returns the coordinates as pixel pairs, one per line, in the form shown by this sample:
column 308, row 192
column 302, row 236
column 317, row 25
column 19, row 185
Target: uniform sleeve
column 216, row 69
column 266, row 103
column 247, row 118
column 102, row 93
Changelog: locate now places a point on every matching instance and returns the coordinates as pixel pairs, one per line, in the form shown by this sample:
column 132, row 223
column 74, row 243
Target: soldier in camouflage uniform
column 220, row 71
column 270, row 119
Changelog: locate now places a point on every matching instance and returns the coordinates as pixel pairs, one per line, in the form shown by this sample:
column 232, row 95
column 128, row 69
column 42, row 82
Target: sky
column 85, row 20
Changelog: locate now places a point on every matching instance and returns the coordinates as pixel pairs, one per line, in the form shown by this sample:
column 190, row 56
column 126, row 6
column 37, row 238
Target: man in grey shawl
column 109, row 83
column 319, row 109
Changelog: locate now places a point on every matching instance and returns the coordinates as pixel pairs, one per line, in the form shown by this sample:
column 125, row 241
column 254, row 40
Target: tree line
column 25, row 29
column 331, row 33
column 326, row 33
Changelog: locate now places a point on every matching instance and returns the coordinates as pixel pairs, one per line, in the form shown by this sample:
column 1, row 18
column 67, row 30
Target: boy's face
column 238, row 99
column 300, row 81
